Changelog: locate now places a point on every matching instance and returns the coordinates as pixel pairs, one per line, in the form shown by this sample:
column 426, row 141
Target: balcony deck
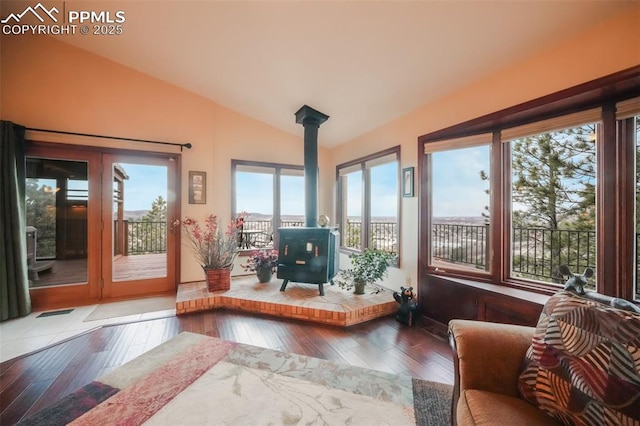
column 299, row 301
column 74, row 271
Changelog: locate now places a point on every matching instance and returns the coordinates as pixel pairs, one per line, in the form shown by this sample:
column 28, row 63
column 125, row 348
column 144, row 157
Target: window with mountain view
column 351, row 221
column 272, row 195
column 553, row 202
column 368, row 202
column 460, row 203
column 564, row 190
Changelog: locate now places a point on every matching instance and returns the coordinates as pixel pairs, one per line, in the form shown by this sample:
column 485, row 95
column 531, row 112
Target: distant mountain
column 259, row 216
column 460, row 220
column 134, row 214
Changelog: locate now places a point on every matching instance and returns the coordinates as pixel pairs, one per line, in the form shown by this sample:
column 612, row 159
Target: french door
column 98, row 224
column 138, row 247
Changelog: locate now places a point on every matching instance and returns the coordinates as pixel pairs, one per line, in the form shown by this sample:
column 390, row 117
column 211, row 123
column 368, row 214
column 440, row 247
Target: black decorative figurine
column 408, row 306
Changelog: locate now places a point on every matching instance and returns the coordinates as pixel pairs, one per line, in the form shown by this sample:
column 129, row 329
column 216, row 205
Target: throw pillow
column 583, row 366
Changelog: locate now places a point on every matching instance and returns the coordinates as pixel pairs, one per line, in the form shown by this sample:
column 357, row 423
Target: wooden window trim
column 614, row 171
column 362, row 161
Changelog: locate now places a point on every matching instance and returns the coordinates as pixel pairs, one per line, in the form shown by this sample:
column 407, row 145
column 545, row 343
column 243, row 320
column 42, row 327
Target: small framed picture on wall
column 407, row 182
column 197, row 187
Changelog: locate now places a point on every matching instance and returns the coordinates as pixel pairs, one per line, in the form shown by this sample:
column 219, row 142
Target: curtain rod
column 181, row 145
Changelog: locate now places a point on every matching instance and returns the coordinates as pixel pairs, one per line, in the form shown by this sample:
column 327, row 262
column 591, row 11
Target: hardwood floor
column 32, row 382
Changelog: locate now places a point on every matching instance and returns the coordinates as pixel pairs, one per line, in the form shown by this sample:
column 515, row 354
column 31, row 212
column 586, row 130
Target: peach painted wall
column 599, row 51
column 46, row 83
column 52, row 85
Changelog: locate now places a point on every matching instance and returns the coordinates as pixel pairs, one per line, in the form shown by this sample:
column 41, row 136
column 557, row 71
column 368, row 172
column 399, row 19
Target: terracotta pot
column 264, row 275
column 218, row 279
column 358, row 287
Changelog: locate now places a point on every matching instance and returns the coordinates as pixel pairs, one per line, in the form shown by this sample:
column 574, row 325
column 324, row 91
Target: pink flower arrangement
column 262, row 259
column 212, row 247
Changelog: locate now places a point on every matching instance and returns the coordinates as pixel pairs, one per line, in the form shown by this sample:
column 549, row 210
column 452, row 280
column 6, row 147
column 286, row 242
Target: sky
column 144, row 185
column 255, row 193
column 384, row 191
column 458, row 190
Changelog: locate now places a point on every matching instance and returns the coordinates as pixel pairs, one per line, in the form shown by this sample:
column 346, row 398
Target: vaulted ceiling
column 363, row 63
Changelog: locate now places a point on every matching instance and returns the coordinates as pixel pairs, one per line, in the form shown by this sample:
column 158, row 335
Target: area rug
column 131, row 307
column 196, row 379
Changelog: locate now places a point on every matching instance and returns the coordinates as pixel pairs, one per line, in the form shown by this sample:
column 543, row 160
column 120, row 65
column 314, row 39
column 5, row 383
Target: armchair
column 487, row 359
column 576, row 367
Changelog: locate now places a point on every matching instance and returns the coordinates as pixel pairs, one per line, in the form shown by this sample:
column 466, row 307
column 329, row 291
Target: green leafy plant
column 366, row 268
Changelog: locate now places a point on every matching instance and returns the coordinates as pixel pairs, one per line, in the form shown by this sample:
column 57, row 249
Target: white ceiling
column 362, row 63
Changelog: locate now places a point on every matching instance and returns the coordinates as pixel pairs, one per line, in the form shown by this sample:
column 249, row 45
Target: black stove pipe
column 311, row 119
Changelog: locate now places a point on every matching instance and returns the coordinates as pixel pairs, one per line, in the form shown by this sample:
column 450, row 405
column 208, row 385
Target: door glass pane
column 384, row 207
column 459, row 208
column 139, row 221
column 56, row 196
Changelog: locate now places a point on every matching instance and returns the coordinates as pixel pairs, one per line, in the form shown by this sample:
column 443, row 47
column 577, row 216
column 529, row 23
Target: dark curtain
column 14, row 283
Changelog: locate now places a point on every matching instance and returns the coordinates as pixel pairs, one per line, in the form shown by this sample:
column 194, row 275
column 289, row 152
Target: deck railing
column 465, row 244
column 382, row 236
column 536, row 252
column 266, row 225
column 141, row 237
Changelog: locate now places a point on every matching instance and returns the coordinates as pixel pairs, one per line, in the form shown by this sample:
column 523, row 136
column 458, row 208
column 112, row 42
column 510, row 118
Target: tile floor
column 23, row 335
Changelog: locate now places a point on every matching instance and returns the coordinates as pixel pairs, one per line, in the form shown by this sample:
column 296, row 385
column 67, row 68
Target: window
column 272, row 194
column 563, row 175
column 628, row 116
column 460, row 205
column 368, row 202
column 56, row 214
column 553, row 197
column 636, row 136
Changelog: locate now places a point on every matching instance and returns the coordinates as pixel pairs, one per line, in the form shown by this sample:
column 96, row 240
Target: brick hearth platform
column 299, row 301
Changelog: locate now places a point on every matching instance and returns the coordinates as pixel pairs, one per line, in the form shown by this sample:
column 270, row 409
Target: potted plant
column 263, row 262
column 214, row 249
column 366, row 268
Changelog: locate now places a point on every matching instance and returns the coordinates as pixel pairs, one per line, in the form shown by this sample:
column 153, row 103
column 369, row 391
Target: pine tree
column 158, row 212
column 41, row 214
column 554, row 189
column 554, row 178
column 151, row 235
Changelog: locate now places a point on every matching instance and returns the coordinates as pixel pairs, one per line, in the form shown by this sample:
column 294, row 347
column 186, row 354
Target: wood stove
column 309, row 254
